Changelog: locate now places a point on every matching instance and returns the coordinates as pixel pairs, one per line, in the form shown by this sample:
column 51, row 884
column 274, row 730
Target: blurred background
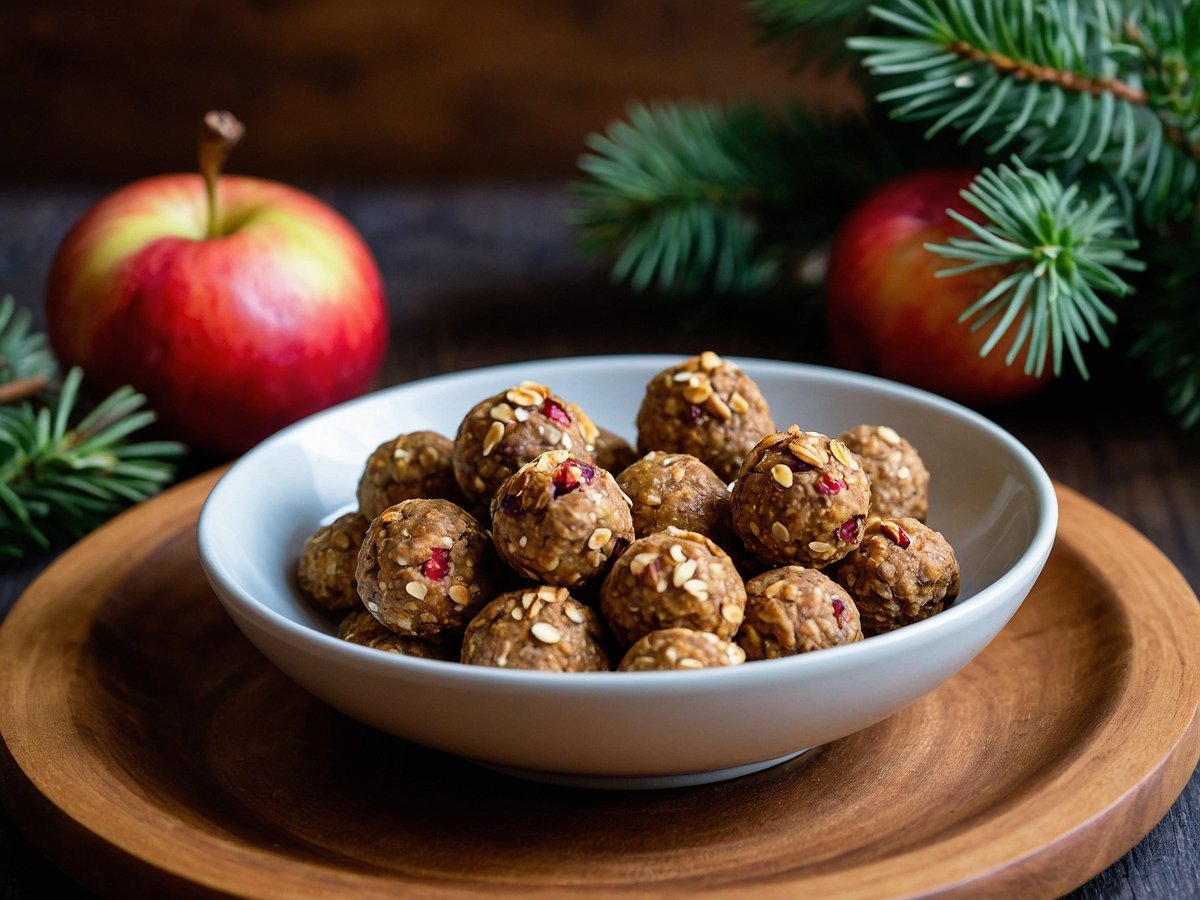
column 363, row 89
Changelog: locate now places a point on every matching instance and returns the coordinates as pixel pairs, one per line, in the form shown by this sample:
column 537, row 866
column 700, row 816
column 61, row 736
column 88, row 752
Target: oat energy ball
column 409, row 466
column 899, row 479
column 801, row 499
column 612, row 451
column 902, row 572
column 676, row 489
column 672, row 579
column 423, row 568
column 541, row 628
column 360, row 627
column 560, row 520
column 680, row 648
column 502, row 433
column 325, row 573
column 705, row 406
column 794, row 610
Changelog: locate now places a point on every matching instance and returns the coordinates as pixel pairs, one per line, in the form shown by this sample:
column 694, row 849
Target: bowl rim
column 1025, row 567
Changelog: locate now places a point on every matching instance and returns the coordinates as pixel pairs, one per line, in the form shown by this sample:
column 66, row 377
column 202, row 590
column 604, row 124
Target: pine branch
column 59, row 481
column 25, row 360
column 1055, row 253
column 693, row 197
column 811, row 28
column 1067, row 84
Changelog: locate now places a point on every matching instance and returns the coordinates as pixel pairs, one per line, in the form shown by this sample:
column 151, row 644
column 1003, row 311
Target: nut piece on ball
column 794, row 610
column 680, row 648
column 705, row 406
column 559, row 520
column 360, row 627
column 902, row 572
column 542, row 628
column 423, row 568
column 800, row 498
column 325, row 573
column 672, row 579
column 503, row 432
column 409, row 466
column 677, row 489
column 899, row 479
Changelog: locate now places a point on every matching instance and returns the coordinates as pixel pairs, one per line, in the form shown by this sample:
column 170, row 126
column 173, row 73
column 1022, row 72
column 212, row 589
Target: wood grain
column 147, row 744
column 362, row 89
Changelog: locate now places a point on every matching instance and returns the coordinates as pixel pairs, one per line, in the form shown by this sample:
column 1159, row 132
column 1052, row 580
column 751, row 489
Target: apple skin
column 231, row 337
column 889, row 315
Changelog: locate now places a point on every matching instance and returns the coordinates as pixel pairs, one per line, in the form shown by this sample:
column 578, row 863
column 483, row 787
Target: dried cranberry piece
column 438, row 564
column 510, row 504
column 554, row 411
column 839, row 609
column 568, row 474
column 829, row 485
column 848, row 532
column 900, row 538
column 693, row 413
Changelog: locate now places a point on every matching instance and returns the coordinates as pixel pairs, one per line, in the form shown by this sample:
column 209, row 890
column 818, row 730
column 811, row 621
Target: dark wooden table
column 487, row 274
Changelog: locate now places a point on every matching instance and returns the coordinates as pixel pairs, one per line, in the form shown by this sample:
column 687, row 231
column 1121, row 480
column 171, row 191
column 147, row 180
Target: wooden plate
column 148, row 745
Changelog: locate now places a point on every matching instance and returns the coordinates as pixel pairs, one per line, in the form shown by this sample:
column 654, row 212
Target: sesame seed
column 820, row 547
column 416, row 589
column 575, row 615
column 545, row 632
column 780, row 532
column 782, row 475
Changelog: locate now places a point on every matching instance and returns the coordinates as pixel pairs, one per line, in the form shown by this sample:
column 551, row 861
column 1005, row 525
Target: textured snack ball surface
column 902, row 572
column 503, row 432
column 671, row 579
column 800, row 498
column 680, row 648
column 419, row 464
column 899, row 479
column 542, row 628
column 677, row 489
column 424, row 570
column 326, row 571
column 360, row 627
column 793, row 610
column 705, row 406
column 559, row 520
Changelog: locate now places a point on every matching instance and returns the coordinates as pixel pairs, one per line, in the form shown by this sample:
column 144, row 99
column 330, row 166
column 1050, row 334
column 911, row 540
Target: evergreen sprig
column 698, row 197
column 1064, row 83
column 24, row 354
column 59, row 480
column 1055, row 253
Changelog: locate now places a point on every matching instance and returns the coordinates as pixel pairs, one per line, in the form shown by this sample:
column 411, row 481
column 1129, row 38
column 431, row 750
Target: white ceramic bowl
column 988, row 495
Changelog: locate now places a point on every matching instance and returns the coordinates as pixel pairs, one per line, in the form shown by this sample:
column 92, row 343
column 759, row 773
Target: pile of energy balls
column 539, row 540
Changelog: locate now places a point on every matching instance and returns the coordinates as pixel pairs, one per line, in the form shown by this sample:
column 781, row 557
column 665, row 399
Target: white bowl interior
column 988, row 495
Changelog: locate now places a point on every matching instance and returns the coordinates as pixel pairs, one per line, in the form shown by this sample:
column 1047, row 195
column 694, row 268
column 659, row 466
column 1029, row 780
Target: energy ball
column 794, row 610
column 612, row 451
column 559, row 520
column 671, row 579
column 325, row 573
column 542, row 628
column 503, row 432
column 360, row 627
column 409, row 466
column 705, row 406
column 680, row 648
column 902, row 572
column 423, row 568
column 801, row 499
column 676, row 489
column 899, row 479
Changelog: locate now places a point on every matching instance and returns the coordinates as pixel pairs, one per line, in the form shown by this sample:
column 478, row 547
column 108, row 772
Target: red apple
column 232, row 330
column 890, row 315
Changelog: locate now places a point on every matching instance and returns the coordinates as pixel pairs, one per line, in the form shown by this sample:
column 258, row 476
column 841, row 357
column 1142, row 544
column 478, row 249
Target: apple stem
column 221, row 133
